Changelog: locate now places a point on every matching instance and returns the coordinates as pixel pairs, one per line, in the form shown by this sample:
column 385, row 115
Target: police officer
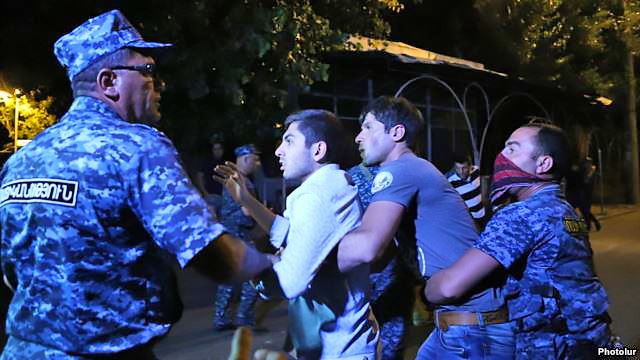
column 238, row 224
column 94, row 206
column 557, row 304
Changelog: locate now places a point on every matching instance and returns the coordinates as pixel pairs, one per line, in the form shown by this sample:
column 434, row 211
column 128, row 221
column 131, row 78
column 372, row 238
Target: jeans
column 470, row 342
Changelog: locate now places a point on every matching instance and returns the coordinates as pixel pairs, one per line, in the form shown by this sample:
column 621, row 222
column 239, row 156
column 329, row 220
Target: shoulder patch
column 575, row 226
column 381, row 181
column 52, row 191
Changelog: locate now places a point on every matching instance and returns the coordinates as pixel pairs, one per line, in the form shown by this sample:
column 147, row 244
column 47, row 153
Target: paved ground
column 617, row 258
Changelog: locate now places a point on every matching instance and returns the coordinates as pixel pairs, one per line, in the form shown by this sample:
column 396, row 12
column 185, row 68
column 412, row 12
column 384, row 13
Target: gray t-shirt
column 437, row 218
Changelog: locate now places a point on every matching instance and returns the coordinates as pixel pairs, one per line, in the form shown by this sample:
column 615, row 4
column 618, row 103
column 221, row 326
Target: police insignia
column 575, row 226
column 52, row 191
column 381, row 181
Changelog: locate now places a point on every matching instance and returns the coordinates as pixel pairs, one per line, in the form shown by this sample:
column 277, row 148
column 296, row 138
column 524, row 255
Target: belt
column 444, row 319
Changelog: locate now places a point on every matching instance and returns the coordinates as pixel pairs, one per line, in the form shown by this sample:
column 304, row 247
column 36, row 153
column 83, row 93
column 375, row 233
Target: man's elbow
column 369, row 255
column 445, row 291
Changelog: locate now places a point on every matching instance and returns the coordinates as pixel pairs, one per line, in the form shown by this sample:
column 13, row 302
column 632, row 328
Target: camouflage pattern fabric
column 98, row 37
column 238, row 224
column 92, row 211
column 552, row 290
column 391, row 289
column 245, row 313
column 232, row 217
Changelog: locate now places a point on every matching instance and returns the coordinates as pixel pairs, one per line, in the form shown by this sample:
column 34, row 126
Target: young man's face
column 462, row 169
column 374, row 143
column 521, row 149
column 296, row 160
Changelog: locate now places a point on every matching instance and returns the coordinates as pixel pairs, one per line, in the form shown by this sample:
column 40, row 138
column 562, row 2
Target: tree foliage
column 34, row 116
column 237, row 62
column 574, row 43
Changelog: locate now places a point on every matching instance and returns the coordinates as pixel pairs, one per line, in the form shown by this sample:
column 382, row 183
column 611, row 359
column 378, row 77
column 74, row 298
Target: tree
column 584, row 46
column 34, row 116
column 237, row 63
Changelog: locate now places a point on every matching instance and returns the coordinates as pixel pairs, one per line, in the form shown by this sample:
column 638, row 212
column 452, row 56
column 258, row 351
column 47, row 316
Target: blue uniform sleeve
column 392, row 184
column 167, row 203
column 508, row 236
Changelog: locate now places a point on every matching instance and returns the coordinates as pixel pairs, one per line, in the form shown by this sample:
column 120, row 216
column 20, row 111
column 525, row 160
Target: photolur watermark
column 625, row 351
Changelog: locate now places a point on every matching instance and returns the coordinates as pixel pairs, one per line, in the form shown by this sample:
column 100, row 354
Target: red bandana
column 507, row 175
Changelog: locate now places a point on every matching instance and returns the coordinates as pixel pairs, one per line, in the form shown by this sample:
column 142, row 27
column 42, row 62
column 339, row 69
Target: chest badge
column 381, row 181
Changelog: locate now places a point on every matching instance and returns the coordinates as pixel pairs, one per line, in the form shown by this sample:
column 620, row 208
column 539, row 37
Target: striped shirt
column 469, row 189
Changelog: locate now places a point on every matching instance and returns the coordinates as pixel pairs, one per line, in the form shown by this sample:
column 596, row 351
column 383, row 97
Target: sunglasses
column 145, row 69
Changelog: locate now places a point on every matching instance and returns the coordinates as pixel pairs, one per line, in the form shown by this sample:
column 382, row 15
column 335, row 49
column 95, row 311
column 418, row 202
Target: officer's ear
column 544, row 164
column 106, row 82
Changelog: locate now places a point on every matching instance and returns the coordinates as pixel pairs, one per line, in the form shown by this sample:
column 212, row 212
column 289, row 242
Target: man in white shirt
column 329, row 313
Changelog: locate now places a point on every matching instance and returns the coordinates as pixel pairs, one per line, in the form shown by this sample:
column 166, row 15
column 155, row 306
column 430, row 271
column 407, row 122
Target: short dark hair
column 392, row 111
column 551, row 140
column 85, row 81
column 461, row 157
column 320, row 125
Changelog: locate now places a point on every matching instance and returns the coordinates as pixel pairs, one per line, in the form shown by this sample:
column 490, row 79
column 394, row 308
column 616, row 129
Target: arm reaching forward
column 451, row 283
column 367, row 243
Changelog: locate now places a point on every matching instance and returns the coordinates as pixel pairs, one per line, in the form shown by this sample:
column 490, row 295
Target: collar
column 91, row 104
column 318, row 175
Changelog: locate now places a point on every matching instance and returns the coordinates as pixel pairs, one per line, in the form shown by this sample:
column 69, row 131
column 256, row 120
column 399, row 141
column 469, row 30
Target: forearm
column 358, row 248
column 230, row 259
column 260, row 213
column 436, row 287
column 452, row 283
column 366, row 244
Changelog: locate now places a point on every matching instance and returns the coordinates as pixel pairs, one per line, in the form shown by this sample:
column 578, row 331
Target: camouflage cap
column 246, row 150
column 97, row 37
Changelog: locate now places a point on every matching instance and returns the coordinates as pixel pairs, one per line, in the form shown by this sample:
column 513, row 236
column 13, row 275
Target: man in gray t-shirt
column 410, row 194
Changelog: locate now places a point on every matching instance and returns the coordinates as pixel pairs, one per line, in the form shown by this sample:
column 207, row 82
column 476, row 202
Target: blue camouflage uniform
column 392, row 294
column 93, row 212
column 558, row 303
column 238, row 224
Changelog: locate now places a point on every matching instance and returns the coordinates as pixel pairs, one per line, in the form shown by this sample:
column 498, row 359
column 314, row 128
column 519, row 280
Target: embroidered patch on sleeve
column 575, row 226
column 52, row 191
column 381, row 181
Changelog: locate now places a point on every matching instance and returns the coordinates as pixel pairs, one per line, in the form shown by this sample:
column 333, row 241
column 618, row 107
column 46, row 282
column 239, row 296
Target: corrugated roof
column 411, row 54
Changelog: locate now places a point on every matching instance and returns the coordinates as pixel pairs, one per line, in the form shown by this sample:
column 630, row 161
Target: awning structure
column 367, row 68
column 411, row 54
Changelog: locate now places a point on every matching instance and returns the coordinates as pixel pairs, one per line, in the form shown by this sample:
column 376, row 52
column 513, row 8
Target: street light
column 17, row 93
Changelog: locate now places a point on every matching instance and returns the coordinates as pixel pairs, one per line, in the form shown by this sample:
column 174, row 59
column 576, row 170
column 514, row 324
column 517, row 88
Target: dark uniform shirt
column 89, row 211
column 232, row 217
column 552, row 286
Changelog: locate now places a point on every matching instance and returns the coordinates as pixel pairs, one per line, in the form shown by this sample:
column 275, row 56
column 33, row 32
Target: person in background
column 465, row 178
column 210, row 189
column 233, row 217
column 579, row 191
